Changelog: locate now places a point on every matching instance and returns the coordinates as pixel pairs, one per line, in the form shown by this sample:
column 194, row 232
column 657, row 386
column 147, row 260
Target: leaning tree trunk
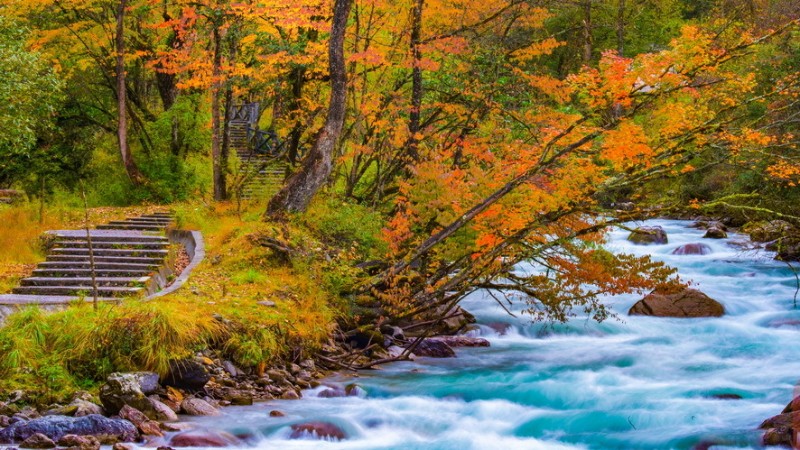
column 300, row 188
column 122, row 100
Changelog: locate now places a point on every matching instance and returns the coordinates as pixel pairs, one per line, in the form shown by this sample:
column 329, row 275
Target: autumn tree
column 526, row 186
column 317, row 166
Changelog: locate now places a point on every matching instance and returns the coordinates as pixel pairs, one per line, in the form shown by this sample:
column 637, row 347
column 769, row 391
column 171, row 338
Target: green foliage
column 29, row 97
column 348, row 225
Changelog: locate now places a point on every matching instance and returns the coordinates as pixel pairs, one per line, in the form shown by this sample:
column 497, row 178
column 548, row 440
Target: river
column 632, row 383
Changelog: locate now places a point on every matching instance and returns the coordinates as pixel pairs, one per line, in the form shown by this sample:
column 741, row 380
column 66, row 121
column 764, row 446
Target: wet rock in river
column 692, row 249
column 198, row 407
column 715, row 233
column 434, row 349
column 204, row 438
column 681, row 303
column 321, row 430
column 648, row 236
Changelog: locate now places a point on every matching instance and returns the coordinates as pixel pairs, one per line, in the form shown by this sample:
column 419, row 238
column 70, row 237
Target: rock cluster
column 140, row 406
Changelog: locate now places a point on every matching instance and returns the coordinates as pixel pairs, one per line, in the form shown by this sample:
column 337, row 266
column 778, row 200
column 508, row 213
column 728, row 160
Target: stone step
column 154, row 220
column 77, row 291
column 130, row 226
column 84, row 281
column 24, row 299
column 87, row 272
column 152, row 253
column 105, row 259
column 109, row 236
column 112, row 244
column 85, row 265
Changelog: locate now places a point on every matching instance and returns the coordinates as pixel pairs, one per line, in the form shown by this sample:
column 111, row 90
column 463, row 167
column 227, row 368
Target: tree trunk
column 228, row 106
column 620, row 27
column 216, row 130
column 301, row 187
column 122, row 99
column 416, row 81
column 587, row 31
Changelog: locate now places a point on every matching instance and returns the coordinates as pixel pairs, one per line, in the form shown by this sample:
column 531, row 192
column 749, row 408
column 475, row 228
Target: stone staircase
column 260, row 174
column 148, row 222
column 127, row 254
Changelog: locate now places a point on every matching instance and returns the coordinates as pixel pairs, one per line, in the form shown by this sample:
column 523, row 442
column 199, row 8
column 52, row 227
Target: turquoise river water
column 632, row 383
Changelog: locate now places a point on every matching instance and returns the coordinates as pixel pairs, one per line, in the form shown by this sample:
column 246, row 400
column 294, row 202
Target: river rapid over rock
column 634, row 383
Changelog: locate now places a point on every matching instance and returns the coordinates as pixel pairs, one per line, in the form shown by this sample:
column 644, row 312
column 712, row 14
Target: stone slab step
column 106, row 259
column 84, row 281
column 151, row 220
column 113, row 244
column 130, row 226
column 84, row 265
column 25, row 299
column 110, row 235
column 77, row 291
column 151, row 253
column 87, row 272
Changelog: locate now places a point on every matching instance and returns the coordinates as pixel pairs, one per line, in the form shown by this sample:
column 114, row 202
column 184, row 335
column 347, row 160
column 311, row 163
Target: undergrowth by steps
column 266, row 293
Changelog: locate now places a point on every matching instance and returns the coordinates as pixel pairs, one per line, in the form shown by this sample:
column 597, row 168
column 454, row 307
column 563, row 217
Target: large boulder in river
column 187, row 374
column 129, row 389
column 677, row 303
column 692, row 249
column 648, row 235
column 107, row 431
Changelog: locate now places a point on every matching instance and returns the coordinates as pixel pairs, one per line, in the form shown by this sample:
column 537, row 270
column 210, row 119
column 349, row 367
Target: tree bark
column 416, row 81
column 122, row 100
column 301, row 187
column 620, row 27
column 216, row 131
column 587, row 31
column 227, row 107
